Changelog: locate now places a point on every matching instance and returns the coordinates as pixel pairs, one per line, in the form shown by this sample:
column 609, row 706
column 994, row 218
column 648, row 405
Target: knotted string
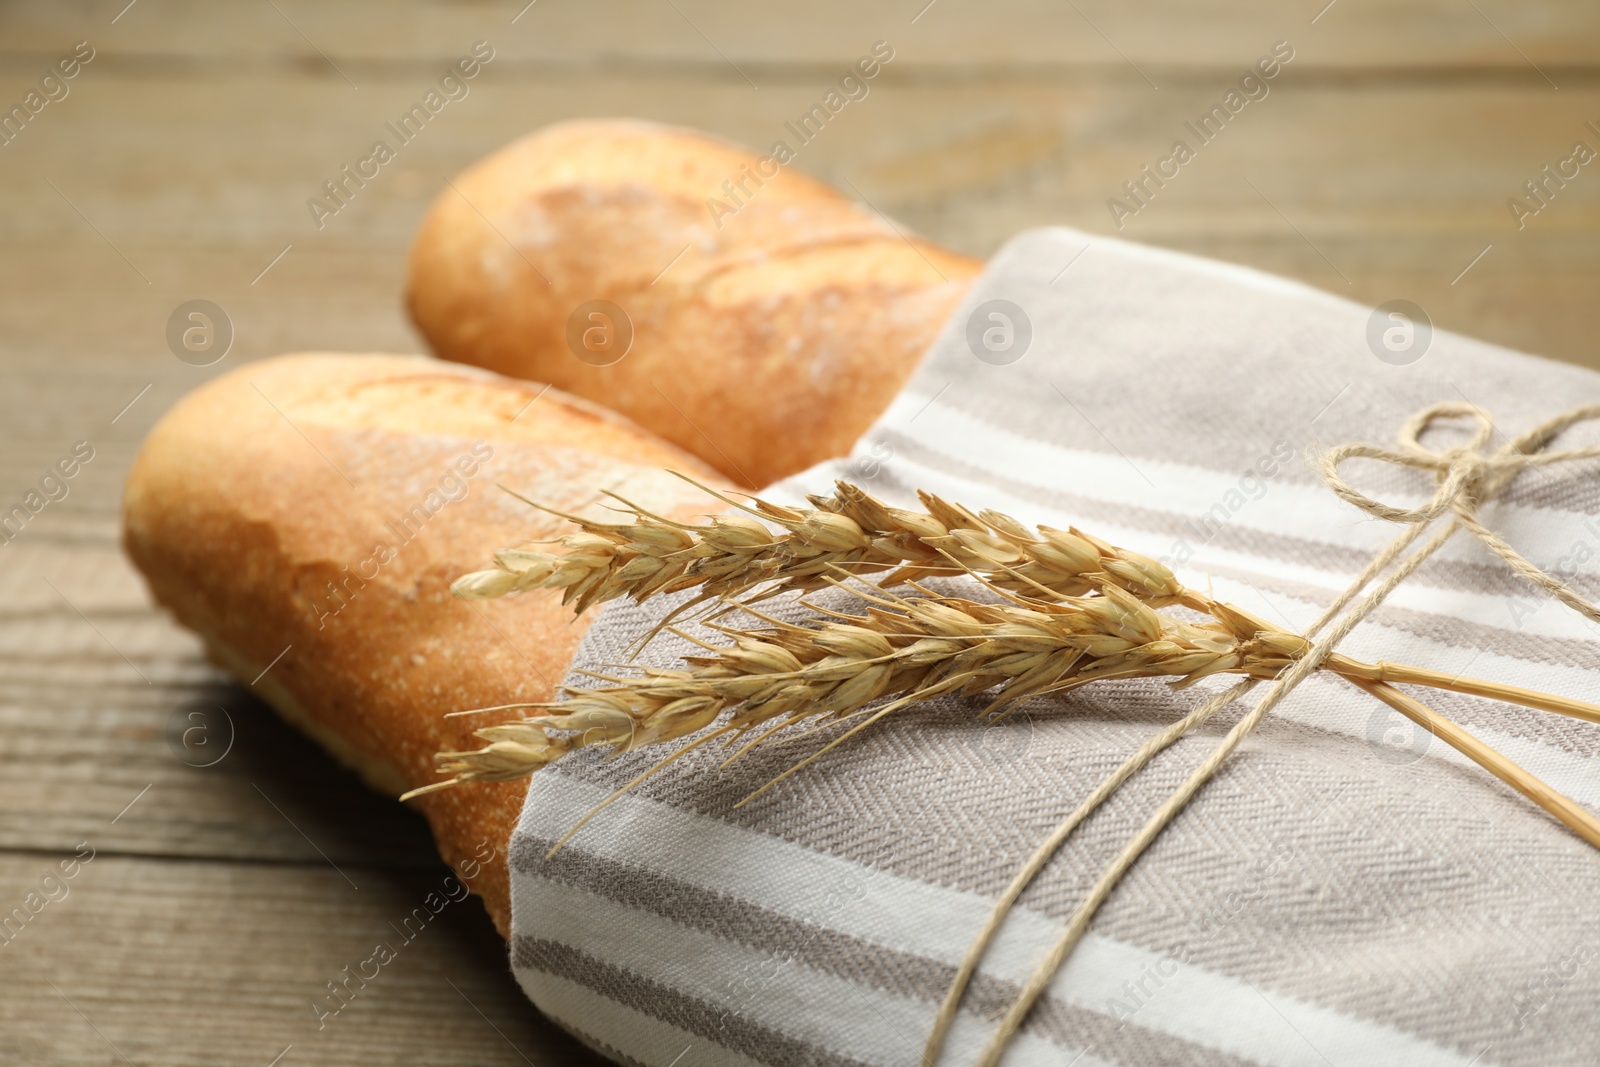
column 1467, row 478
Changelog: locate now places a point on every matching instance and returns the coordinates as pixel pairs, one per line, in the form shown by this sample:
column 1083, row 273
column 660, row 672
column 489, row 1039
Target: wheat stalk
column 733, row 554
column 848, row 533
column 1079, row 610
column 907, row 649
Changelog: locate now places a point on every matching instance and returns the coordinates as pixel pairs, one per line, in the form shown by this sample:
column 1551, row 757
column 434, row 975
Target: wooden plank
column 763, row 41
column 109, row 708
column 1383, row 192
column 197, row 964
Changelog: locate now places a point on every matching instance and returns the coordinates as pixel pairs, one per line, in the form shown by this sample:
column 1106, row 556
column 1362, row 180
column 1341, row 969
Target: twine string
column 1467, row 477
column 1103, row 792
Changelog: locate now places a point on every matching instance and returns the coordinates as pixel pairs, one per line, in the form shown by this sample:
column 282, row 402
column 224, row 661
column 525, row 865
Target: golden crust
column 771, row 342
column 257, row 510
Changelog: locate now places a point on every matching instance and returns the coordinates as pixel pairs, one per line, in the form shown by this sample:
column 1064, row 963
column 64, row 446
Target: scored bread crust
column 256, row 509
column 764, row 341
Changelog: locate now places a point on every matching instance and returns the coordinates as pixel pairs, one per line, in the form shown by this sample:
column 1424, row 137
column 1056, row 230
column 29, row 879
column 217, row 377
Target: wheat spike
column 1079, row 610
column 908, row 648
column 733, row 554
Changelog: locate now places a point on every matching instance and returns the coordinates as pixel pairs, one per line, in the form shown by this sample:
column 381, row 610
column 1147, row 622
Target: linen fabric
column 1347, row 890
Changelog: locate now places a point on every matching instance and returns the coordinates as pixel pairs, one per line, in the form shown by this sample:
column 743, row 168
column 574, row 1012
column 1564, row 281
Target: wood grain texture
column 178, row 167
column 214, row 964
column 693, row 35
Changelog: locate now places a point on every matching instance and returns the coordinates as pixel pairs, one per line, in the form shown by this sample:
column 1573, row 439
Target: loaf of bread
column 752, row 315
column 307, row 514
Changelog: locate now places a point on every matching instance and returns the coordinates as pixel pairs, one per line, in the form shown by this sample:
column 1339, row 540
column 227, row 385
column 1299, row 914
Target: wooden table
column 222, row 898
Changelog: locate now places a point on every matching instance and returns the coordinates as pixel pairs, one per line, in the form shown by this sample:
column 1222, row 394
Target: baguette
column 307, row 514
column 763, row 340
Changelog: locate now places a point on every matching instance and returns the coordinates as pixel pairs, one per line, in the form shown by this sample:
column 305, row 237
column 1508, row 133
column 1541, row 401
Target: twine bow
column 1467, row 478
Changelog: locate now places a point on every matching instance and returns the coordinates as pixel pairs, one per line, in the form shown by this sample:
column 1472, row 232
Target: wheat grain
column 734, row 554
column 911, row 649
column 1079, row 610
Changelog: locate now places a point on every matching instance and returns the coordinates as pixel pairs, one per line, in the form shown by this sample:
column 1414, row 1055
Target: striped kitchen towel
column 1347, row 891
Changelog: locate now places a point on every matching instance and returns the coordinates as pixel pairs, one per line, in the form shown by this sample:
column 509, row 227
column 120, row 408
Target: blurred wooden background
column 221, row 899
